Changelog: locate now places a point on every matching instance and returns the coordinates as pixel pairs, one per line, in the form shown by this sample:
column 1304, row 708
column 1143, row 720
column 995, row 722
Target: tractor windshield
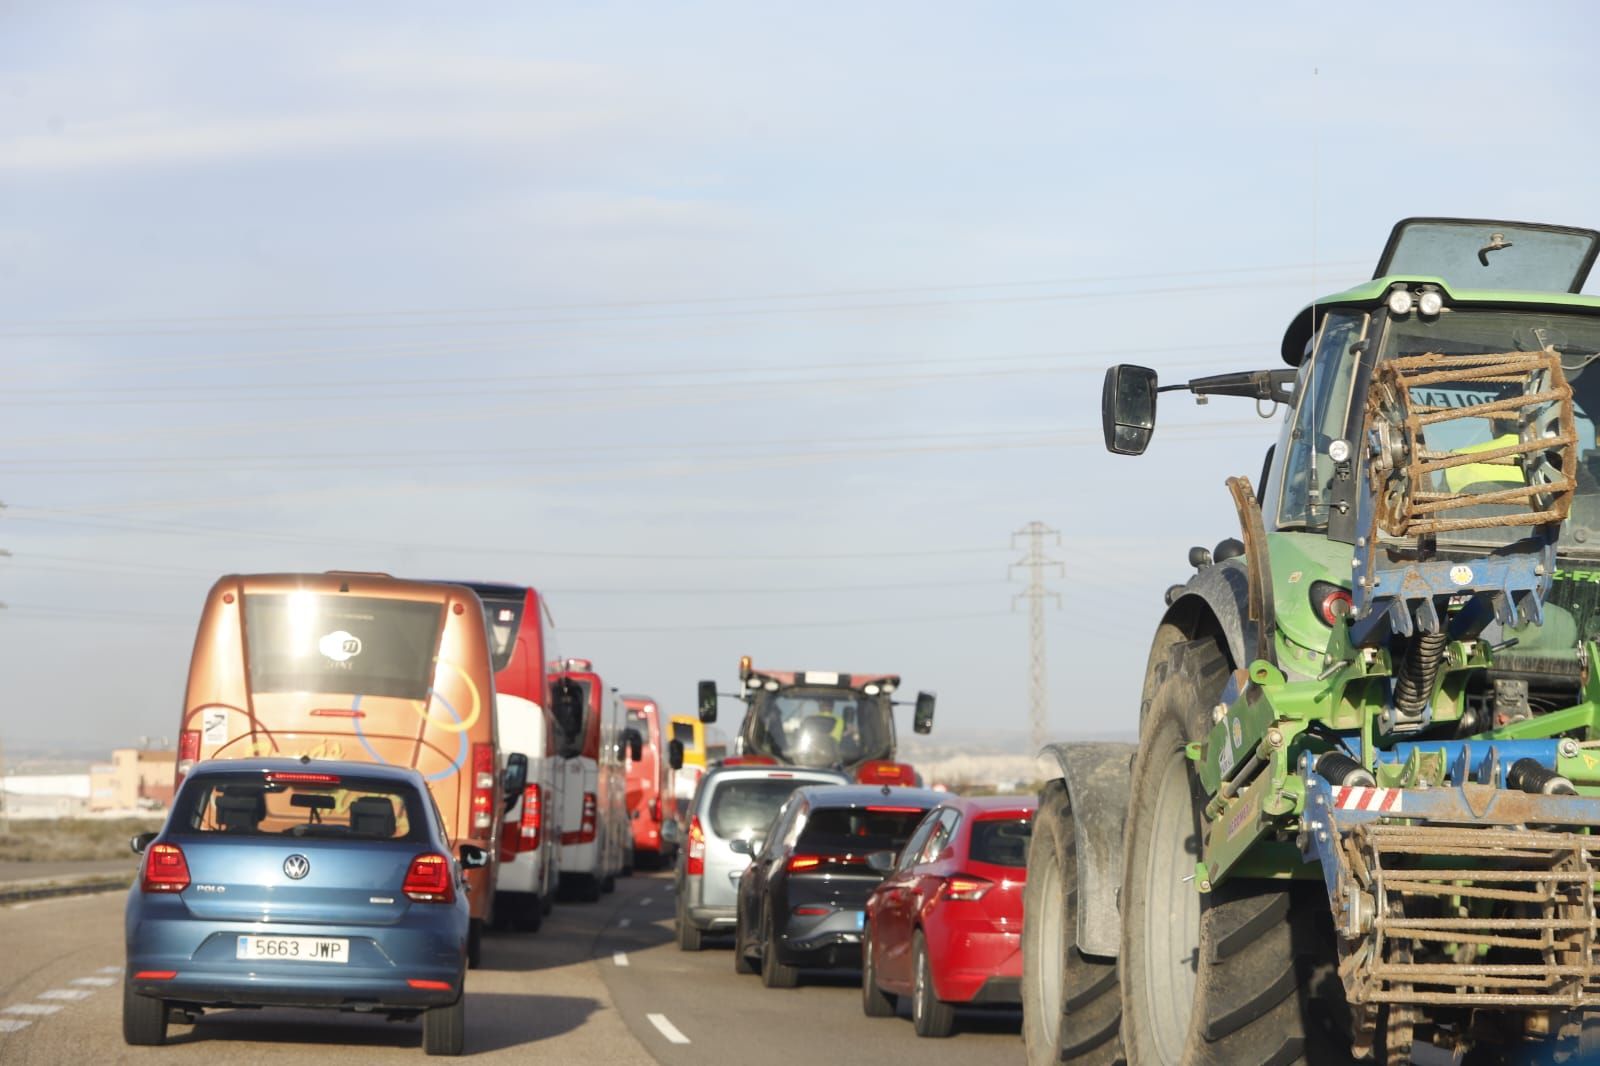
column 819, row 726
column 1576, row 339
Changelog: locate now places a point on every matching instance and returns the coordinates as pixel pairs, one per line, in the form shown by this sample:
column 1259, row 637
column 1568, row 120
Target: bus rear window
column 840, row 830
column 305, row 642
column 1001, row 841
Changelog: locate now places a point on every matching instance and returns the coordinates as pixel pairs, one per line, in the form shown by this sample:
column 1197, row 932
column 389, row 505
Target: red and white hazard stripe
column 1359, row 798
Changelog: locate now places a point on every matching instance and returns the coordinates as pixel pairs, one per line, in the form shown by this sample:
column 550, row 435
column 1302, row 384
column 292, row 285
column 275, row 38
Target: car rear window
column 350, row 808
column 1001, row 841
column 744, row 808
column 837, row 830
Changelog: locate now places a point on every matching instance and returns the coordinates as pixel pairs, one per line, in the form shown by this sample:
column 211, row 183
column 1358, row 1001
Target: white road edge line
column 97, row 982
column 667, row 1029
column 620, row 958
column 11, row 1025
column 66, row 993
column 30, row 1008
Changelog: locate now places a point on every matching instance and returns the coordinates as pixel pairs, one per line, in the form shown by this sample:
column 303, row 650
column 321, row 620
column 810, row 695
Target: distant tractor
column 820, row 719
column 1361, row 812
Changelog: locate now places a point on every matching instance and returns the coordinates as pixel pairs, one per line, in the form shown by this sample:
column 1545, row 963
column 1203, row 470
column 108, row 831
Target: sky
column 736, row 329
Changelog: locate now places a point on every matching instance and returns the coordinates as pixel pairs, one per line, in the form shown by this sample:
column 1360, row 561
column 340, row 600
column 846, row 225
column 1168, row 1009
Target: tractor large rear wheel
column 1071, row 1004
column 1231, row 976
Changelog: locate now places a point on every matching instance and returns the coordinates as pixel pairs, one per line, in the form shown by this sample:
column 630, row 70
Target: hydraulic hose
column 1420, row 670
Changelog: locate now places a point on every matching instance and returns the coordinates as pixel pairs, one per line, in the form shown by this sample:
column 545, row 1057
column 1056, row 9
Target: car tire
column 474, row 943
column 531, row 914
column 609, row 885
column 689, row 935
column 930, row 1016
column 774, row 973
column 742, row 963
column 547, row 903
column 144, row 1018
column 875, row 1002
column 444, row 1029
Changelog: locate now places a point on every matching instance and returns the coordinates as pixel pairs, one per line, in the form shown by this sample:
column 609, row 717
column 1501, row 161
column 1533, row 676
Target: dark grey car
column 732, row 803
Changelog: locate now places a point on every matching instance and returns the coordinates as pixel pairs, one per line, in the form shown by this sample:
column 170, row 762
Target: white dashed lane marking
column 620, row 958
column 11, row 1025
column 65, row 993
column 97, row 982
column 644, row 902
column 624, row 922
column 667, row 1029
column 31, row 1008
column 109, row 969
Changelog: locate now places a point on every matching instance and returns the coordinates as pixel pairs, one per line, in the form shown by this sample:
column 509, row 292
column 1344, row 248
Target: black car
column 802, row 901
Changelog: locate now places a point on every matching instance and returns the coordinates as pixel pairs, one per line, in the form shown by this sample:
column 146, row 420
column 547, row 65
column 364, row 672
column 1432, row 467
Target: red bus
column 651, row 802
column 590, row 738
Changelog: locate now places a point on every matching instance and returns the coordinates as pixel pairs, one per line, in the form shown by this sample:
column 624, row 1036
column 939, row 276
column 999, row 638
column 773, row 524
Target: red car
column 945, row 926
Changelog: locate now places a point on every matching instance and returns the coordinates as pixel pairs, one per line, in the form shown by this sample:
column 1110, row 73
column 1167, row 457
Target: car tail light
column 428, row 879
column 188, row 752
column 898, row 810
column 428, row 986
column 809, row 863
column 165, row 869
column 298, row 778
column 1331, row 602
column 885, row 772
column 811, row 911
column 966, row 888
column 696, row 865
column 532, row 826
column 750, row 760
column 482, row 788
column 155, row 975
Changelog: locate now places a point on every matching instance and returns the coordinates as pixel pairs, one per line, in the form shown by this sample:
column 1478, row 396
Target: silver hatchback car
column 733, row 806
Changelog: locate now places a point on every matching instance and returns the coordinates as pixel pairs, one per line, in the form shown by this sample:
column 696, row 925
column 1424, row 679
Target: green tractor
column 1361, row 815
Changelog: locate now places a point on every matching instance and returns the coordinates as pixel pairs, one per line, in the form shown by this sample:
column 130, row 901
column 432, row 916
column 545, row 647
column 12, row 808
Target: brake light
column 586, row 828
column 532, row 819
column 804, row 863
column 966, row 888
column 165, row 869
column 298, row 778
column 428, row 879
column 188, row 752
column 1332, row 603
column 885, row 772
column 812, row 912
column 482, row 788
column 750, row 760
column 696, row 865
column 155, row 975
column 897, row 810
column 428, row 986
column 337, row 712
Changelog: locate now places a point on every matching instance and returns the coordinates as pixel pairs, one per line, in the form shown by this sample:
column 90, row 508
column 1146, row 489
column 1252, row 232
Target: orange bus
column 355, row 666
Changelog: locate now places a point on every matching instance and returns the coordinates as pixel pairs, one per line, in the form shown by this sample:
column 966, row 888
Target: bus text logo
column 340, row 646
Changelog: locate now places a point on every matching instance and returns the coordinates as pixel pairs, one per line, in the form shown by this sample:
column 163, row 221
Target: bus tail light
column 750, row 760
column 482, row 788
column 428, row 879
column 966, row 888
column 886, row 772
column 165, row 869
column 532, row 826
column 696, row 864
column 586, row 828
column 188, row 752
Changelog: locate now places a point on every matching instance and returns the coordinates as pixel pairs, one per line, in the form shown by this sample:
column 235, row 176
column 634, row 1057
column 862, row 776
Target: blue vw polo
column 281, row 882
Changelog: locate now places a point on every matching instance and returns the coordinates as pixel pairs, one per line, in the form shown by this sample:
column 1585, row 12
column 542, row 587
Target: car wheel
column 929, row 1015
column 547, row 903
column 875, row 1002
column 474, row 943
column 608, row 885
column 444, row 1029
column 144, row 1019
column 531, row 915
column 774, row 974
column 741, row 957
column 689, row 935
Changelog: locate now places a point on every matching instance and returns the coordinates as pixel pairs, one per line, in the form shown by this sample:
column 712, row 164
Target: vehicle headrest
column 372, row 816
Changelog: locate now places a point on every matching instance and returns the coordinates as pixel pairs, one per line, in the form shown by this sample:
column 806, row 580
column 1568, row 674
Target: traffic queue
column 373, row 771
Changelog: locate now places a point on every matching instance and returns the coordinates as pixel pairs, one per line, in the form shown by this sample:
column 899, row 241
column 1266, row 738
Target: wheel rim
column 1049, row 944
column 1171, row 913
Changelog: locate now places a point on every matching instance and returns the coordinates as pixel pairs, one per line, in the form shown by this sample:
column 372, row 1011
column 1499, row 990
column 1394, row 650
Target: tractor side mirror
column 708, row 701
column 634, row 744
column 675, row 754
column 513, row 779
column 1128, row 408
column 922, row 717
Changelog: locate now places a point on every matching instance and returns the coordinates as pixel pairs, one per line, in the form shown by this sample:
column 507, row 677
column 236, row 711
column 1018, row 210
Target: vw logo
column 296, row 866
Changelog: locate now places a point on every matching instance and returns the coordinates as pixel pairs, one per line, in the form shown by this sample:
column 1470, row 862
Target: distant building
column 45, row 795
column 134, row 779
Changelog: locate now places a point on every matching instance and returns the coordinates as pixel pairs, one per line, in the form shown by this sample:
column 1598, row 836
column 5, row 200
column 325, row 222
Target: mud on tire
column 1242, row 974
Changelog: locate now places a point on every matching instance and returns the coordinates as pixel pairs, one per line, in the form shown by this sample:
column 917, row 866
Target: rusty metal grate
column 1475, row 917
column 1411, row 480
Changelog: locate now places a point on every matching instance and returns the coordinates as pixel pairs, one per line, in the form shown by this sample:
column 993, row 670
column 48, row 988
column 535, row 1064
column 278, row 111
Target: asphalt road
column 600, row 983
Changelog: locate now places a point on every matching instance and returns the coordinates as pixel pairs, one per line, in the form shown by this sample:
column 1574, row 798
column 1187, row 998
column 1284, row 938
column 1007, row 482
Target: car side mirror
column 632, row 745
column 513, row 779
column 881, row 861
column 473, row 857
column 922, row 717
column 708, row 701
column 139, row 841
column 1128, row 408
column 675, row 754
column 670, row 831
column 741, row 846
